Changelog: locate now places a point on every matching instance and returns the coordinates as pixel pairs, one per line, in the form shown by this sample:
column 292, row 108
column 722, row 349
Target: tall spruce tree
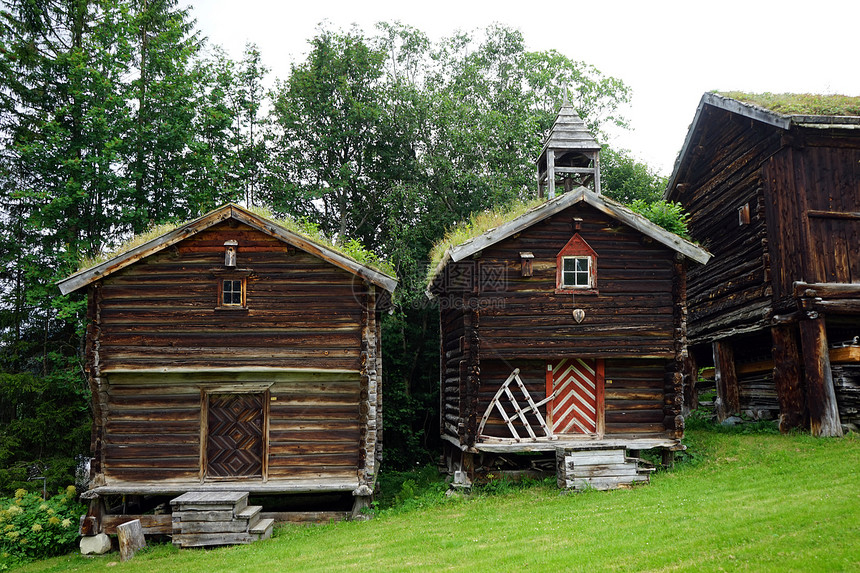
column 61, row 71
column 160, row 130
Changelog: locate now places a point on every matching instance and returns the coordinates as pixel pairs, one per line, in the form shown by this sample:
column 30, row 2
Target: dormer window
column 576, row 268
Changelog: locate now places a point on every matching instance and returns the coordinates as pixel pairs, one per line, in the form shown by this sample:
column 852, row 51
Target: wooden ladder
column 202, row 519
column 519, row 411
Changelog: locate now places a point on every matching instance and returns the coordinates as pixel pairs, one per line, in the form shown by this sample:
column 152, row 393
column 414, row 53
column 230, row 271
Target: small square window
column 576, row 272
column 232, row 293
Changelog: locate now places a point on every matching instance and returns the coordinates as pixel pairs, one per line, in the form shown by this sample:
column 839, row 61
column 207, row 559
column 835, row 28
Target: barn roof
column 781, row 111
column 616, row 210
column 265, row 225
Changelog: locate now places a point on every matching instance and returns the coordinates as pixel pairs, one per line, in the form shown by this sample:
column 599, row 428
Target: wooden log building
column 776, row 199
column 231, row 354
column 562, row 329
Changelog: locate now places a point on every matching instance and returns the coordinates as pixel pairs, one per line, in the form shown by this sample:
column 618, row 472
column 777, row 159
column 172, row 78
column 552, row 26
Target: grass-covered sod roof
column 351, row 248
column 800, row 104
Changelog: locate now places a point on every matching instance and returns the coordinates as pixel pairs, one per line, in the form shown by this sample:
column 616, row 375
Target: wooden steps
column 202, row 519
column 598, row 468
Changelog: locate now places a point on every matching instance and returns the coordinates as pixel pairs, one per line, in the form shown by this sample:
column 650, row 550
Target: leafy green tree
column 329, row 115
column 627, row 180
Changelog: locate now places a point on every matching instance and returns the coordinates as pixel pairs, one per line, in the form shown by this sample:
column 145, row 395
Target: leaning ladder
column 496, row 403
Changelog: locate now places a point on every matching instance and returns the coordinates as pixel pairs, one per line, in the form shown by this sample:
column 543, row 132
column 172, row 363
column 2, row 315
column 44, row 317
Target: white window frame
column 589, row 281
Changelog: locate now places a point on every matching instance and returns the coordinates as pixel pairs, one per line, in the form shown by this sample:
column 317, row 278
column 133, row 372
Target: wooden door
column 234, row 446
column 577, row 407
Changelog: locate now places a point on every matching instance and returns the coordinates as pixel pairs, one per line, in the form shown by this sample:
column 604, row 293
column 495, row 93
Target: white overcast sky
column 668, row 52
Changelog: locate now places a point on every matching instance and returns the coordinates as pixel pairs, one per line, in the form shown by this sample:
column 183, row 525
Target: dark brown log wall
column 732, row 290
column 452, row 346
column 634, row 396
column 153, row 430
column 161, row 312
column 523, row 317
column 314, row 429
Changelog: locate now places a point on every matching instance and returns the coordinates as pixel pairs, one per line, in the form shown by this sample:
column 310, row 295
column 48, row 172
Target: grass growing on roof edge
column 351, row 248
column 757, row 502
column 799, row 104
column 477, row 224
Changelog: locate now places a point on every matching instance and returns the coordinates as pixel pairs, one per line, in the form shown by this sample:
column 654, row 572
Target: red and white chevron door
column 576, row 406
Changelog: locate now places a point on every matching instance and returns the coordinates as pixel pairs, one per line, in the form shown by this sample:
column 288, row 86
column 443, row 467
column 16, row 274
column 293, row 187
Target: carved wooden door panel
column 235, row 441
column 577, row 407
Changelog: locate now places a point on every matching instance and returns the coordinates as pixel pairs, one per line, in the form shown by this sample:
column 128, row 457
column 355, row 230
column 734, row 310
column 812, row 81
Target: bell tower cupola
column 570, row 157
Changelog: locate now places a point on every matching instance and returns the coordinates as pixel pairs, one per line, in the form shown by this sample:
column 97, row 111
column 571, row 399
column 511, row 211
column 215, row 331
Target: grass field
column 745, row 502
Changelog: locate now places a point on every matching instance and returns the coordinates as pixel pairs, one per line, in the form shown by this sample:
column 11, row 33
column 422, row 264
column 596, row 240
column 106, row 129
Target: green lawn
column 750, row 503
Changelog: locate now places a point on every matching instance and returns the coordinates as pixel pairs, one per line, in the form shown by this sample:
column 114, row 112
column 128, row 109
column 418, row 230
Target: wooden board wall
column 161, row 312
column 635, row 396
column 815, row 214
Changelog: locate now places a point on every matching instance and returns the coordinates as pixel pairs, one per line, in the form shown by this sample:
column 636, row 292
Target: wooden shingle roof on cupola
column 570, row 156
column 268, row 226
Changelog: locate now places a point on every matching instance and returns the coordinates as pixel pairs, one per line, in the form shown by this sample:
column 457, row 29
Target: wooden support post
column 787, row 377
column 821, row 396
column 691, row 376
column 668, row 458
column 727, row 380
column 91, row 523
column 550, row 173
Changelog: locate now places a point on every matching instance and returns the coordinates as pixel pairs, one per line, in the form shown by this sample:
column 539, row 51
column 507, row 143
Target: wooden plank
column 151, row 524
column 305, row 516
column 845, row 354
column 211, row 539
column 237, row 526
column 604, row 483
column 826, row 290
column 210, row 498
column 203, row 515
column 596, row 457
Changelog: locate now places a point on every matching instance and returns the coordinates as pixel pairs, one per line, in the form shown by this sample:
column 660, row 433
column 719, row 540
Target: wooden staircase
column 203, row 519
column 601, row 468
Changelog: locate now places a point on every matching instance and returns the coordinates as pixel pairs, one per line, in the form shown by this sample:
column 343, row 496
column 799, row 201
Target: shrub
column 33, row 528
column 666, row 214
